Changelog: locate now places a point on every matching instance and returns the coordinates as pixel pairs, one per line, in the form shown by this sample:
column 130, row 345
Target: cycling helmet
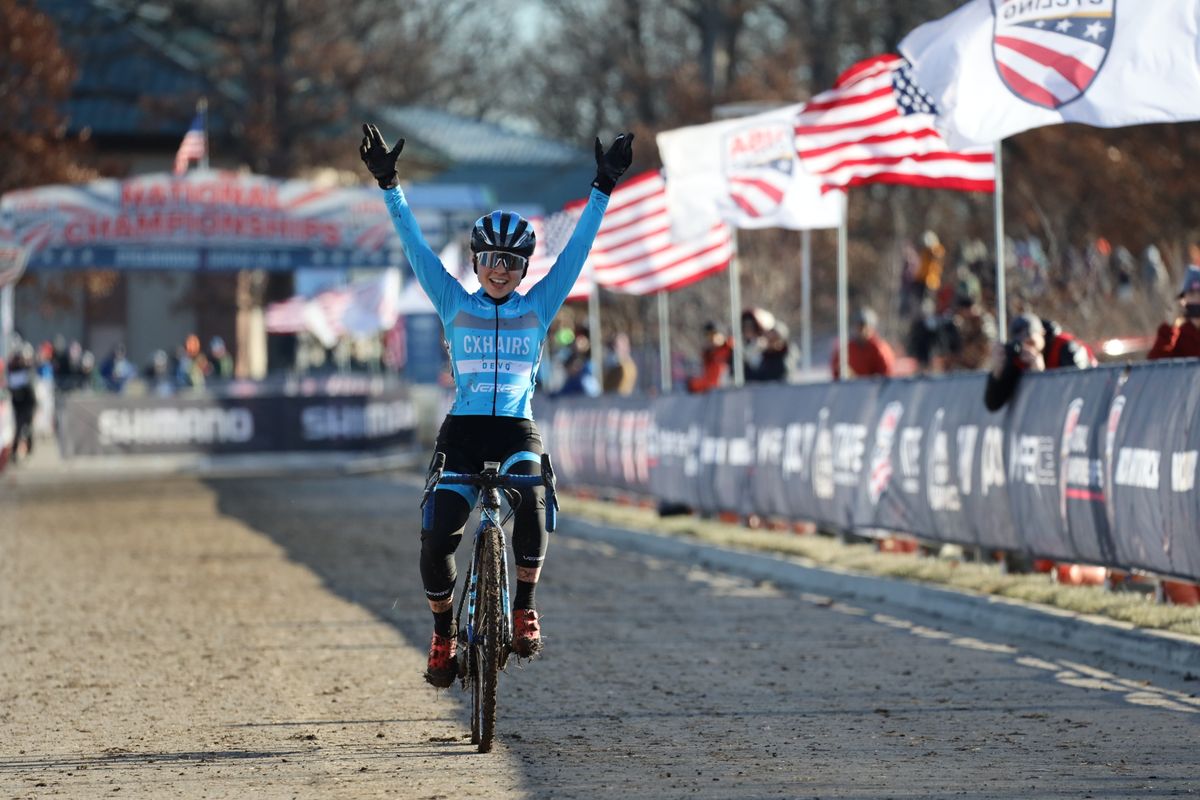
column 505, row 232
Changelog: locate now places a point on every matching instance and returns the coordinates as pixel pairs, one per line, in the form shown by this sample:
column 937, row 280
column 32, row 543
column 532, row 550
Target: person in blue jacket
column 495, row 339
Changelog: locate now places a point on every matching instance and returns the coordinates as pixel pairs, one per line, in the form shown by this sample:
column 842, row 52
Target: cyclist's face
column 498, row 276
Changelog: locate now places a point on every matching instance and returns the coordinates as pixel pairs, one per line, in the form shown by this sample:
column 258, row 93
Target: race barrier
column 242, row 417
column 1094, row 467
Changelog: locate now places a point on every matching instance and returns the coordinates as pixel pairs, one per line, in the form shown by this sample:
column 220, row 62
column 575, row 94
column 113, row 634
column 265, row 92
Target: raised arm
column 442, row 288
column 550, row 293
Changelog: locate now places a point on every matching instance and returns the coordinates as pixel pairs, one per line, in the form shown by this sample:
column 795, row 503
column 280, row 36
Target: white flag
column 998, row 67
column 744, row 172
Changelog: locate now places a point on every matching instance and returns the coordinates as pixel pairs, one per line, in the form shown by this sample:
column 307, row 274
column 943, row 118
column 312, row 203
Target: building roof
column 133, row 82
column 463, row 140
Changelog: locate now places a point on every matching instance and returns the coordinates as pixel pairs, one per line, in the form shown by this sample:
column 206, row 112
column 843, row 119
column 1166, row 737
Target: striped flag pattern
column 876, row 126
column 194, row 146
column 634, row 252
column 553, row 231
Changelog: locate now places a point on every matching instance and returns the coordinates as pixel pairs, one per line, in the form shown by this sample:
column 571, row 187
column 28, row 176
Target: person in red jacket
column 868, row 353
column 1181, row 339
column 714, row 360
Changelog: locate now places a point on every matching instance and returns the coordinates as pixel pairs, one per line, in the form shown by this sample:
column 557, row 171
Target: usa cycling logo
column 759, row 160
column 1048, row 52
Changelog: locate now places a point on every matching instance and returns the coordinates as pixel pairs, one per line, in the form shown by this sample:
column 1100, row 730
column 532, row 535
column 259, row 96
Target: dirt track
column 265, row 638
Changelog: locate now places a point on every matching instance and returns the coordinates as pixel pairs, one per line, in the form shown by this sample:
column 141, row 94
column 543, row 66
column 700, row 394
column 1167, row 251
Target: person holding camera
column 1181, row 338
column 1033, row 345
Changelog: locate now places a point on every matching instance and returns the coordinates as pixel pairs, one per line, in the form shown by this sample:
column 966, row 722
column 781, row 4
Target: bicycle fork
column 490, row 514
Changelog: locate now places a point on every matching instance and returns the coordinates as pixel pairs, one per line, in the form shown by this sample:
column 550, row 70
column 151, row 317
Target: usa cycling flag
column 998, row 67
column 744, row 172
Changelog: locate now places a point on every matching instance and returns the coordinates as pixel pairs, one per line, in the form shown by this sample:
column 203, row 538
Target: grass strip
column 1134, row 607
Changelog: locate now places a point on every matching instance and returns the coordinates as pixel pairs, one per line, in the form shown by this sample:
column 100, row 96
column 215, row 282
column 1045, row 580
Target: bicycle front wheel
column 489, row 632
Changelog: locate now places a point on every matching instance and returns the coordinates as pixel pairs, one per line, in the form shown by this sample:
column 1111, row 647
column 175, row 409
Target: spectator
column 867, row 352
column 21, row 377
column 220, row 359
column 88, row 379
column 924, row 335
column 1124, row 267
column 188, row 372
column 1033, row 345
column 580, row 379
column 45, row 362
column 714, row 360
column 969, row 333
column 116, row 370
column 1181, row 338
column 69, row 367
column 620, row 370
column 755, row 324
column 1154, row 271
column 159, row 375
column 931, row 262
column 778, row 362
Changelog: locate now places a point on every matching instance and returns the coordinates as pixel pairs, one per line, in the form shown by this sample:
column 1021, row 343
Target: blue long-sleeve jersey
column 495, row 348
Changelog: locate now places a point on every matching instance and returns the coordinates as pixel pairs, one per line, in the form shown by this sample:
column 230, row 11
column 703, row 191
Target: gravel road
column 265, row 638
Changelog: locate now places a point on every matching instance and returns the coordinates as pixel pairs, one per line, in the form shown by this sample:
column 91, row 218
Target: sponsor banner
column 785, row 437
column 98, row 424
column 1151, row 441
column 839, row 454
column 1092, row 466
column 677, row 426
column 975, row 440
column 1054, row 470
column 599, row 442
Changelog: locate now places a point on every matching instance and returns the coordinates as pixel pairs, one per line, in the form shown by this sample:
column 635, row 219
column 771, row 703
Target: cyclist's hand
column 611, row 165
column 379, row 160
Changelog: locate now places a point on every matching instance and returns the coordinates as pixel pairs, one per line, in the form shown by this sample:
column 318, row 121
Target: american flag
column 194, row 146
column 553, row 231
column 634, row 252
column 876, row 126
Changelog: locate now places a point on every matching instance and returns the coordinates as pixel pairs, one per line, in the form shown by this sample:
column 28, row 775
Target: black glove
column 379, row 160
column 611, row 166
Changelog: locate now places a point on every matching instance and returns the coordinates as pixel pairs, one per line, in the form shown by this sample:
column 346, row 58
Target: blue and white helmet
column 505, row 232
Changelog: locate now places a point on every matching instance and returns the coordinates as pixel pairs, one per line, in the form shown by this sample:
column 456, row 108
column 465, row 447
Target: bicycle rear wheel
column 489, row 643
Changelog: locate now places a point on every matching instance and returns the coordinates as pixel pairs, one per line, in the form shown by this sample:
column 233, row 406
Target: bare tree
column 35, row 79
column 291, row 78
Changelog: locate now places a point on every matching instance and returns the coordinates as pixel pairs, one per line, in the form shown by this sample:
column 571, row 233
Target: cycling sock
column 524, row 598
column 443, row 622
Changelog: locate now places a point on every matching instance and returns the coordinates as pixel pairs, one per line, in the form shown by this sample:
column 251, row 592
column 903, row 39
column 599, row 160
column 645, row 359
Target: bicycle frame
column 493, row 642
column 489, row 514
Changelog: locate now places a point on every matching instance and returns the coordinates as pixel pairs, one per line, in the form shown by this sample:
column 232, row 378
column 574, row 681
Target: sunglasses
column 508, row 262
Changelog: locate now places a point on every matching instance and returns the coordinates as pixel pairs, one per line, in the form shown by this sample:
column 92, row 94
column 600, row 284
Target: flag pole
column 6, row 321
column 202, row 110
column 806, row 300
column 843, row 291
column 735, row 312
column 664, row 341
column 998, row 213
column 594, row 334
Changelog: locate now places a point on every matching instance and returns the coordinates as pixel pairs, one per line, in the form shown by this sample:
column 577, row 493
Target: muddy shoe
column 443, row 666
column 527, row 633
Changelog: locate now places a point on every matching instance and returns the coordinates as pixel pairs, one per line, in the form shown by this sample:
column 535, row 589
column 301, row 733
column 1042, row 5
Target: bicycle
column 485, row 641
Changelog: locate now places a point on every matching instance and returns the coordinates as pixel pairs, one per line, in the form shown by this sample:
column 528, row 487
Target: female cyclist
column 495, row 339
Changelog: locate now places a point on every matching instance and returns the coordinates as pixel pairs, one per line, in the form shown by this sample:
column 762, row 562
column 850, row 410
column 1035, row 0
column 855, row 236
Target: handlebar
column 484, row 480
column 490, row 478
